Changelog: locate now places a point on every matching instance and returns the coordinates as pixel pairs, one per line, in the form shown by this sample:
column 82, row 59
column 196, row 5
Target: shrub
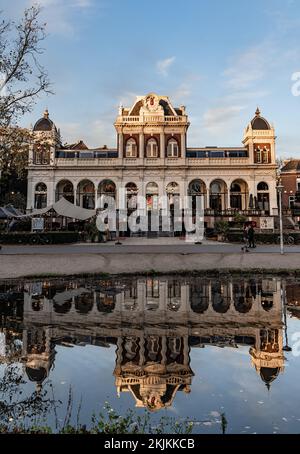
column 39, row 238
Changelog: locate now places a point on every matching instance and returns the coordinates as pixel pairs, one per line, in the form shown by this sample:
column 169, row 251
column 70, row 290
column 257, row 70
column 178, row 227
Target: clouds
column 219, row 119
column 58, row 14
column 163, row 66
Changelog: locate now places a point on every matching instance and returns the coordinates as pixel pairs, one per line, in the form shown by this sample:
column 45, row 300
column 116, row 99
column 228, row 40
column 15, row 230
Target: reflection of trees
column 16, row 404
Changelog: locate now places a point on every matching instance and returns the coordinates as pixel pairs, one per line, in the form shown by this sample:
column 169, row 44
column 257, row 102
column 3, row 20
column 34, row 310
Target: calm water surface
column 179, row 347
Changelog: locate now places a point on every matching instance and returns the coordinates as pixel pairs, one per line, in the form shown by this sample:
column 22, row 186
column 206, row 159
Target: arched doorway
column 152, row 196
column 239, row 195
column 40, row 196
column 64, row 189
column 106, row 188
column 86, row 195
column 218, row 195
column 263, row 197
column 131, row 196
column 197, row 188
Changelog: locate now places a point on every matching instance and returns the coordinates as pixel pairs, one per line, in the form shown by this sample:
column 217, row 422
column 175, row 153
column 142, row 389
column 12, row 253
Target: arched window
column 258, row 155
column 263, row 198
column 152, row 196
column 41, row 155
column 65, row 189
column 131, row 195
column 239, row 195
column 172, row 149
column 86, row 194
column 265, row 155
column 152, row 149
column 40, row 196
column 262, row 186
column 131, row 148
column 218, row 195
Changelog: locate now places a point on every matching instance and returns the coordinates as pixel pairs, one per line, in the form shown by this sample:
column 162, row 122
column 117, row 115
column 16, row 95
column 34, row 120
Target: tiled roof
column 293, row 164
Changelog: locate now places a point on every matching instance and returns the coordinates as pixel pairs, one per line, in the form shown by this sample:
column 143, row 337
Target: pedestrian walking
column 251, row 237
column 245, row 238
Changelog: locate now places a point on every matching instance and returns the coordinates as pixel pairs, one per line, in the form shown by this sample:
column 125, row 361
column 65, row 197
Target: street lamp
column 286, row 347
column 280, row 188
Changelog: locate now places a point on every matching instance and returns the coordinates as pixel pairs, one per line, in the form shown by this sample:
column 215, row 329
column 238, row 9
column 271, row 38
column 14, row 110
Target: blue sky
column 218, row 58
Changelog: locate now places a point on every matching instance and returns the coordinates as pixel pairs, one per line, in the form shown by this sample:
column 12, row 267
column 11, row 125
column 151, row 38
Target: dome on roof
column 268, row 374
column 36, row 375
column 259, row 123
column 44, row 123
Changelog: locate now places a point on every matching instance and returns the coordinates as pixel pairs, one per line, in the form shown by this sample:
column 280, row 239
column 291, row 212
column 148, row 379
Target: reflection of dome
column 37, row 375
column 267, row 305
column 268, row 374
column 259, row 123
column 44, row 123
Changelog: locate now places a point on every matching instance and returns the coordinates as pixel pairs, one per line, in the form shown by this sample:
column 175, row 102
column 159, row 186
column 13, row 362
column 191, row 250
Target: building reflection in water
column 153, row 322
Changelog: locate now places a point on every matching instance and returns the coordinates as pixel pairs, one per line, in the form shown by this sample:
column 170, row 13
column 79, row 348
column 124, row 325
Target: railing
column 152, row 119
column 232, row 212
column 217, row 161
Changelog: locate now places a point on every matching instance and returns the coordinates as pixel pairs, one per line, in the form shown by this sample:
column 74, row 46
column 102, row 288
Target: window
column 152, row 149
column 265, row 156
column 172, row 149
column 258, row 155
column 262, row 186
column 131, row 148
column 292, row 199
column 40, row 196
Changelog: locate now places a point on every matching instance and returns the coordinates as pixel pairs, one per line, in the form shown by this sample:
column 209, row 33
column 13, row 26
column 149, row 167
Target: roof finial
column 257, row 112
column 46, row 113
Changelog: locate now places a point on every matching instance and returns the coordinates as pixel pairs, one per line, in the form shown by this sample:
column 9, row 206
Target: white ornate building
column 152, row 159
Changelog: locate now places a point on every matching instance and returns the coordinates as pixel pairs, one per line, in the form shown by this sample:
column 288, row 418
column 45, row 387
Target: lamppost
column 280, row 188
column 286, row 347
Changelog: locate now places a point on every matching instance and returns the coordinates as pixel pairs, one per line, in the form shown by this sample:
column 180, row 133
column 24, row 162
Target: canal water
column 210, row 349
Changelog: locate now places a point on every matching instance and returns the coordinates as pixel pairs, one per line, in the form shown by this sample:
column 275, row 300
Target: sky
column 221, row 59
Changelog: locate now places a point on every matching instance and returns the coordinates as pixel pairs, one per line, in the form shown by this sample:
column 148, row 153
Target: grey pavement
column 180, row 247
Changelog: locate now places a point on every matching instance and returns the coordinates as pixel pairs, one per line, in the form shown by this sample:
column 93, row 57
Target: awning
column 64, row 208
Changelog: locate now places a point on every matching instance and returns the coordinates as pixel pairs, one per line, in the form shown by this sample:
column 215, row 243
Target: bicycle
column 287, row 239
column 40, row 239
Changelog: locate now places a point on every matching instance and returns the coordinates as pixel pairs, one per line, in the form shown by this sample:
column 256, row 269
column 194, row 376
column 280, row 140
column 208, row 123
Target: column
column 141, row 146
column 50, row 193
column 162, row 145
column 228, row 198
column 30, row 194
column 96, row 195
column 75, row 189
column 183, row 145
column 120, row 145
column 207, row 197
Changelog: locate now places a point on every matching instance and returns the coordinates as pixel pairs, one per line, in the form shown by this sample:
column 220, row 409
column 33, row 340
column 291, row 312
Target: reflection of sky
column 224, row 382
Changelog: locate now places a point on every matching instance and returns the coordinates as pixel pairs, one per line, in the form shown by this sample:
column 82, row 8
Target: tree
column 22, row 80
column 23, row 77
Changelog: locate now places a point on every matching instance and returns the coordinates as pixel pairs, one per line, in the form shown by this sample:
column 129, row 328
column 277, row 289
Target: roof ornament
column 120, row 108
column 46, row 113
column 257, row 112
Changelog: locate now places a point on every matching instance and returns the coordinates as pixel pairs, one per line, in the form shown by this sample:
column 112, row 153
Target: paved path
column 142, row 246
column 20, row 261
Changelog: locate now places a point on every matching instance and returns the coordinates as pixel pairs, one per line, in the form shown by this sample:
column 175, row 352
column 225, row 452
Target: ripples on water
column 196, row 348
